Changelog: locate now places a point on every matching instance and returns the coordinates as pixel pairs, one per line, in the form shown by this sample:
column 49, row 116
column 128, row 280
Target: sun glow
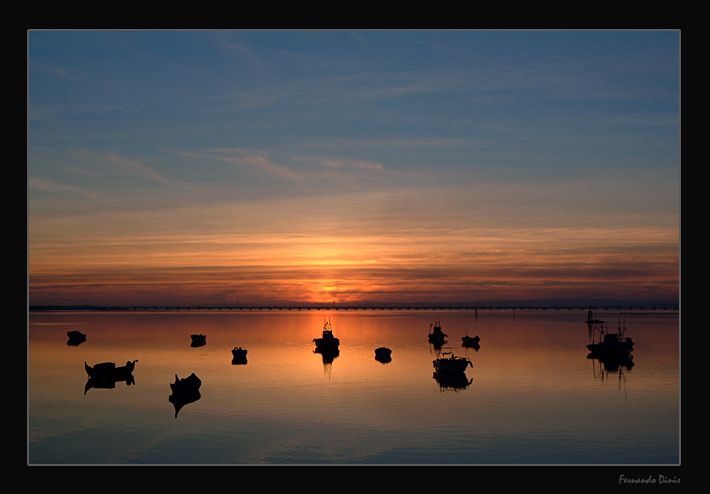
column 469, row 264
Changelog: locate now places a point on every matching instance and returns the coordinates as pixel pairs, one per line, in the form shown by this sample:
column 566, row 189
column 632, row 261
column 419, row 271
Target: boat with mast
column 436, row 335
column 611, row 343
column 327, row 341
column 591, row 319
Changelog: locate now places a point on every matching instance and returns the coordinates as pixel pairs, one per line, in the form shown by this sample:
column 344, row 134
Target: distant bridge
column 327, row 307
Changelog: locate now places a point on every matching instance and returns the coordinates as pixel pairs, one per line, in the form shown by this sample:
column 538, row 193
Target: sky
column 276, row 167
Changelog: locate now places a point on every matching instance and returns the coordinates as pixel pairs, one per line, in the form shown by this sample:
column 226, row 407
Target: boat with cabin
column 109, row 369
column 611, row 343
column 448, row 362
column 327, row 341
column 239, row 355
column 105, row 375
column 436, row 335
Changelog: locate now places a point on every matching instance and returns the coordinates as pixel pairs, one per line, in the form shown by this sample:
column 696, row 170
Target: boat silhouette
column 239, row 355
column 470, row 341
column 185, row 390
column 447, row 362
column 327, row 341
column 450, row 371
column 198, row 340
column 611, row 343
column 383, row 354
column 187, row 384
column 109, row 369
column 105, row 375
column 76, row 338
column 436, row 335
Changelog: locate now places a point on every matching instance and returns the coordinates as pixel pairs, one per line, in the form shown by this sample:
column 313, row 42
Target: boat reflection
column 606, row 367
column 327, row 354
column 108, row 382
column 452, row 381
column 179, row 400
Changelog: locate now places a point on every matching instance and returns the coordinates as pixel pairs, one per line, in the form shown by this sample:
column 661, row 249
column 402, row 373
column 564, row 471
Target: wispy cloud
column 53, row 70
column 49, row 186
column 253, row 159
column 353, row 164
column 134, row 167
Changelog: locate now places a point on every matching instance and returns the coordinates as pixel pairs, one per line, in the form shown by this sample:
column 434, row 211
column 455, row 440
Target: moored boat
column 186, row 390
column 435, row 332
column 198, row 339
column 470, row 341
column 383, row 354
column 188, row 384
column 327, row 340
column 611, row 343
column 239, row 355
column 109, row 369
column 75, row 338
column 448, row 362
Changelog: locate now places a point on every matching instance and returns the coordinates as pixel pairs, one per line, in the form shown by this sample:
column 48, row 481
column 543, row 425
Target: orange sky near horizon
column 473, row 264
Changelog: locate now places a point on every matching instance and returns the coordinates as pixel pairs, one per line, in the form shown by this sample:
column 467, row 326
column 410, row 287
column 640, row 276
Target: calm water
column 531, row 397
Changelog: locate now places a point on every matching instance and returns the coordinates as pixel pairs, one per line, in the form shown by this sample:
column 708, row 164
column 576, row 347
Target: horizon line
column 502, row 305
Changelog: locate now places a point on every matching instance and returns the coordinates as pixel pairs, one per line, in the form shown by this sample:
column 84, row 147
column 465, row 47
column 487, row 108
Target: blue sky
column 337, row 158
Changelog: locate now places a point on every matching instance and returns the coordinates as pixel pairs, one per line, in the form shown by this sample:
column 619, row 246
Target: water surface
column 532, row 396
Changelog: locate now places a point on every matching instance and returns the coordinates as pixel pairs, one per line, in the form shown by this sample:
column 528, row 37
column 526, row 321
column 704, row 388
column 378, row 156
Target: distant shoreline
column 654, row 308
